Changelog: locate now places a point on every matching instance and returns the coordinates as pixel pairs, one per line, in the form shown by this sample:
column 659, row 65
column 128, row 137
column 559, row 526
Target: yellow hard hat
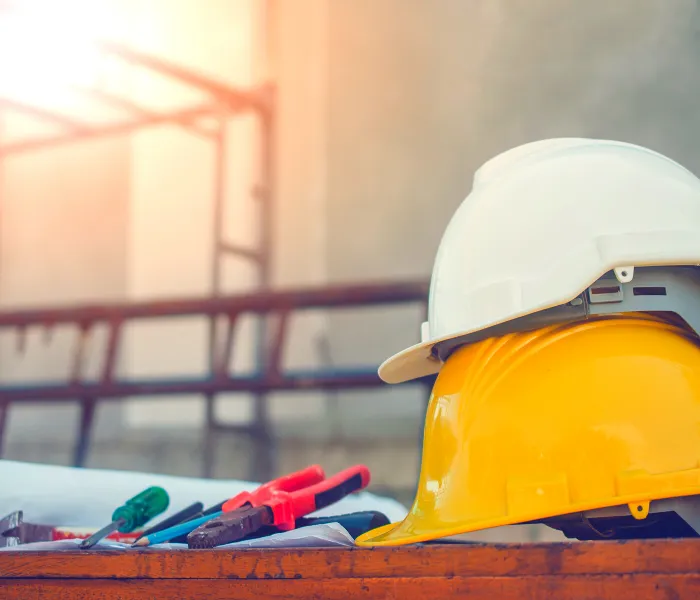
column 564, row 419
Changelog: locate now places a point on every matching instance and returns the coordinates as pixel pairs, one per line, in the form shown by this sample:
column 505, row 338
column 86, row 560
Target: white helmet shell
column 542, row 223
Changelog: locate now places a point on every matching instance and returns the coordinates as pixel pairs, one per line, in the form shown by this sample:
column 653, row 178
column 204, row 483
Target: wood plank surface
column 443, row 560
column 632, row 570
column 569, row 587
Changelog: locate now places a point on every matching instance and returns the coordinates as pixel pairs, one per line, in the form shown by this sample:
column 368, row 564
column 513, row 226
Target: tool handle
column 141, row 508
column 179, row 517
column 287, row 483
column 217, row 508
column 354, row 523
column 178, row 530
column 287, row 507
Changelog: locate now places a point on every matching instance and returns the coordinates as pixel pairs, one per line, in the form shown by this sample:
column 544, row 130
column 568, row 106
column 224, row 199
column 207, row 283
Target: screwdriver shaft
column 102, row 533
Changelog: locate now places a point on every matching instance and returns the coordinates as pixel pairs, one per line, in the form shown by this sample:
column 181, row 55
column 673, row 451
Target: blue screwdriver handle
column 169, row 535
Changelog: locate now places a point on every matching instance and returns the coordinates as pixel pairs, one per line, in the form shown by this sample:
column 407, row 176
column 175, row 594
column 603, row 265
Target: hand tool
column 278, row 503
column 355, row 523
column 176, row 531
column 286, row 483
column 133, row 513
column 212, row 510
column 179, row 517
column 10, row 523
column 217, row 508
column 14, row 531
column 179, row 534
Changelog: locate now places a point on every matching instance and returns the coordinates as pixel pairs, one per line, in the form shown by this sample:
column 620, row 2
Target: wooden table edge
column 421, row 561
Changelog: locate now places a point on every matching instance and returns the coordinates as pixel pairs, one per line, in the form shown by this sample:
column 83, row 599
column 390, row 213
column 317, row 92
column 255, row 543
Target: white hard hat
column 542, row 223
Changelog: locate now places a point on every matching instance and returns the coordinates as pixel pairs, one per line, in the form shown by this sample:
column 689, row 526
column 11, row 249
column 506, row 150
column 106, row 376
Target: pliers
column 278, row 503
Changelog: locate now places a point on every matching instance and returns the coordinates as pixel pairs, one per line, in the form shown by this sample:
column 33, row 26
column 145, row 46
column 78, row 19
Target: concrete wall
column 63, row 227
column 422, row 93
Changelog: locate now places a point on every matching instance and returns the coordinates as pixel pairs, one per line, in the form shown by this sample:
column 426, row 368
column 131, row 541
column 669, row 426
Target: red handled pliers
column 278, row 503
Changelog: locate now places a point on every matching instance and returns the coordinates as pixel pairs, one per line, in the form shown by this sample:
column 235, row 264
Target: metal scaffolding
column 221, row 102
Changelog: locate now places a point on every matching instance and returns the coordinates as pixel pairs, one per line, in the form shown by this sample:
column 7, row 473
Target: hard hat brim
column 412, row 363
column 408, row 532
column 683, row 287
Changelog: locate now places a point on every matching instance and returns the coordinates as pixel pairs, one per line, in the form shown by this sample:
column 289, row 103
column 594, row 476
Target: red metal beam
column 45, row 114
column 133, row 108
column 257, row 302
column 108, row 130
column 234, row 98
column 222, row 97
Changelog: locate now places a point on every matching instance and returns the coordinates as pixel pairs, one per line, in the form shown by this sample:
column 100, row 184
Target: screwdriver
column 132, row 514
column 179, row 517
column 217, row 508
column 211, row 511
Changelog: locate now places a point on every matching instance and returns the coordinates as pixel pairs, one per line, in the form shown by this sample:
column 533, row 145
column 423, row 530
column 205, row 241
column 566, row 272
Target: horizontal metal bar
column 107, row 130
column 234, row 428
column 235, row 98
column 289, row 381
column 44, row 114
column 363, row 294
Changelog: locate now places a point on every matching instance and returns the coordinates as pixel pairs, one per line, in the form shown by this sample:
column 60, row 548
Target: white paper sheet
column 66, row 496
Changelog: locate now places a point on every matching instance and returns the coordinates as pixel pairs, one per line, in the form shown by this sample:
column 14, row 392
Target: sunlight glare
column 46, row 46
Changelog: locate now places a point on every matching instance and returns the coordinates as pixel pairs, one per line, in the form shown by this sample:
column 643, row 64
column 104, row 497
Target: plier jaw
column 230, row 527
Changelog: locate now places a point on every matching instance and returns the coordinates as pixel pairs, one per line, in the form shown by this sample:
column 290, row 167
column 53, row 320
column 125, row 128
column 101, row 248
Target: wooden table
column 592, row 570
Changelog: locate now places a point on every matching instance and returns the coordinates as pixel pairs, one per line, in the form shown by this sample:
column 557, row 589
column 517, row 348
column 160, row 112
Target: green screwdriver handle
column 141, row 508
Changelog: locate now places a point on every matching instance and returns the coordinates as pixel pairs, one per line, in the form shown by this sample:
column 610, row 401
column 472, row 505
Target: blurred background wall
column 385, row 110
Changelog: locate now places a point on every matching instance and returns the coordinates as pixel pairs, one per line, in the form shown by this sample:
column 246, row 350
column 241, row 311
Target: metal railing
column 275, row 308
